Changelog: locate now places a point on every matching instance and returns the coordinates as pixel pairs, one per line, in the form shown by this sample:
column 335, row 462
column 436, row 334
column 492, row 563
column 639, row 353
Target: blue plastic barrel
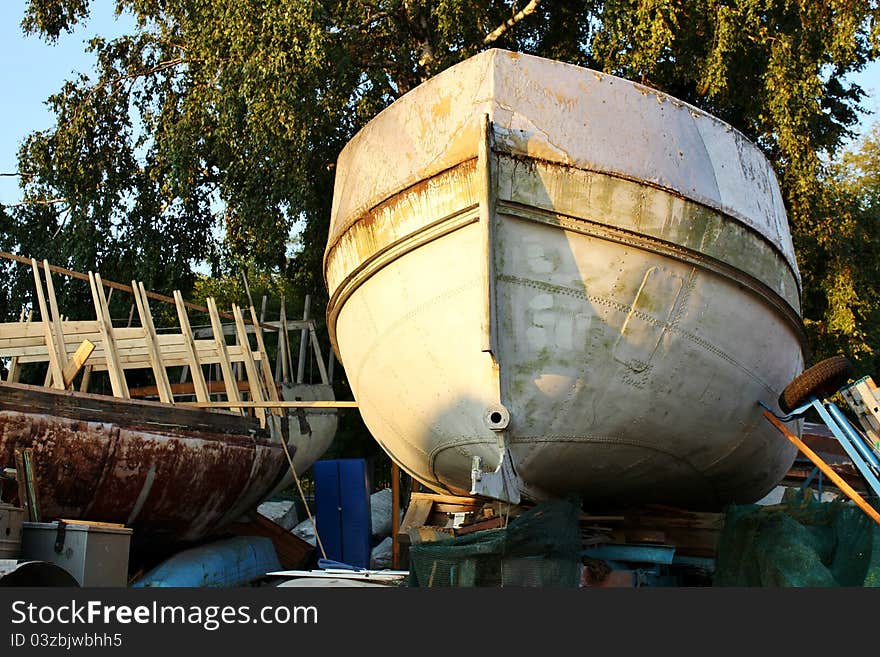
column 228, row 562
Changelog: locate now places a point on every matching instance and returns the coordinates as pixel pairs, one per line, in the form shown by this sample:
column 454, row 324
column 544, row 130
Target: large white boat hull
column 521, row 275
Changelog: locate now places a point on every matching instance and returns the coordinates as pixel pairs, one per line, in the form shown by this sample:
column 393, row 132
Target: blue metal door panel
column 328, row 507
column 356, row 525
column 342, row 510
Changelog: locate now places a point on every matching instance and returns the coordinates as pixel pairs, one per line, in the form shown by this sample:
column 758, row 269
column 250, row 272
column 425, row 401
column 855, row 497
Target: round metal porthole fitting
column 497, row 417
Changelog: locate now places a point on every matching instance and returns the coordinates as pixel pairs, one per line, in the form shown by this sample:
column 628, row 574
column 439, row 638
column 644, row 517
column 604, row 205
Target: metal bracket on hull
column 504, row 484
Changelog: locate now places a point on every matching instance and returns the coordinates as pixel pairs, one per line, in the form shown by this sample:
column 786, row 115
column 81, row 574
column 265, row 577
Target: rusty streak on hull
column 172, row 474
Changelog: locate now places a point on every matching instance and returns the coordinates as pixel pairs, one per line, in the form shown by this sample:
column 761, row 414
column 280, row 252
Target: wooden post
column 225, row 365
column 57, row 325
column 282, row 339
column 303, row 338
column 86, row 379
column 280, row 351
column 22, row 485
column 274, row 404
column 117, row 375
column 152, row 341
column 395, row 514
column 54, row 362
column 250, row 366
column 14, row 367
column 318, row 357
column 74, row 365
column 264, row 359
column 27, row 483
column 195, row 367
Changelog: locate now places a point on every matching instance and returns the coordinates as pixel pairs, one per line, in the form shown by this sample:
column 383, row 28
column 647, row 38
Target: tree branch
column 495, row 34
column 368, row 23
column 161, row 66
column 38, row 201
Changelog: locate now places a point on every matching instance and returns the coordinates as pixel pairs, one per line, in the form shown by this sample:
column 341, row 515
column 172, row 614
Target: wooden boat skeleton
column 198, row 456
column 55, row 340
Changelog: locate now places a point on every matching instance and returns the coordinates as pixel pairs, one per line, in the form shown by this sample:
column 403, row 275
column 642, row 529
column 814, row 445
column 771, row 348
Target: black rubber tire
column 822, row 380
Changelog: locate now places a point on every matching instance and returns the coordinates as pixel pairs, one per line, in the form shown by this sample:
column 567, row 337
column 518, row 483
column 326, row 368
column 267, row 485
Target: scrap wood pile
column 691, row 533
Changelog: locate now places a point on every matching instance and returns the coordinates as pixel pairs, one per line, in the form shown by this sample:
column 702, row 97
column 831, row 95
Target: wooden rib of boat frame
column 70, row 347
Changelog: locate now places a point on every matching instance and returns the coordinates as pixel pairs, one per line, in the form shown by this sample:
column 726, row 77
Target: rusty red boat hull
column 172, row 474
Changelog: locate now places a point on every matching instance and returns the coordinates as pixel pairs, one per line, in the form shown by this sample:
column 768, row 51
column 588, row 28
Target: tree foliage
column 844, row 279
column 210, row 133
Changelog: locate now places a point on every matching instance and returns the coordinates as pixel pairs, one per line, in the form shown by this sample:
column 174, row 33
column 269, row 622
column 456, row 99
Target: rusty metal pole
column 395, row 514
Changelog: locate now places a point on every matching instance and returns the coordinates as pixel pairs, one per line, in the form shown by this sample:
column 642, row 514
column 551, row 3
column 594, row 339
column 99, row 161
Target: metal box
column 95, row 555
column 342, row 509
column 11, row 518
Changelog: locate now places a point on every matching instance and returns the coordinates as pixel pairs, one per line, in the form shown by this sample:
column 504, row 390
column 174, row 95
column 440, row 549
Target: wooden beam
column 273, row 404
column 303, row 337
column 250, row 367
column 117, row 286
column 26, row 333
column 56, row 317
column 24, row 468
column 448, row 499
column 86, row 379
column 14, row 367
column 225, row 365
column 22, row 484
column 318, row 357
column 264, row 359
column 75, row 364
column 417, row 514
column 117, row 375
column 92, row 523
column 494, row 522
column 55, row 368
column 152, row 343
column 188, row 388
column 283, row 345
column 195, row 367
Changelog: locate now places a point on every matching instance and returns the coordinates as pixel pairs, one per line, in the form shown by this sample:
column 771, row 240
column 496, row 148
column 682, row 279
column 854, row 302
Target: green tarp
column 799, row 542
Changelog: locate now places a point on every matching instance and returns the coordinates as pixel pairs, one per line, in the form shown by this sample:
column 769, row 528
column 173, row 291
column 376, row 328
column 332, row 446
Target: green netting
column 539, row 548
column 799, row 542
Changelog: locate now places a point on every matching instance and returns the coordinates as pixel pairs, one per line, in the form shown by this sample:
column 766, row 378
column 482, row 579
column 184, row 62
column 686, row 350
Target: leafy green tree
column 845, row 276
column 210, row 133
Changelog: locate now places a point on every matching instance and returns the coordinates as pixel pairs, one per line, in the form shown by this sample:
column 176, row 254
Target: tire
column 822, row 380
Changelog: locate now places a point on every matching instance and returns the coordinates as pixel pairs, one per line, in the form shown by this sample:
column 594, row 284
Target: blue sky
column 31, row 70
